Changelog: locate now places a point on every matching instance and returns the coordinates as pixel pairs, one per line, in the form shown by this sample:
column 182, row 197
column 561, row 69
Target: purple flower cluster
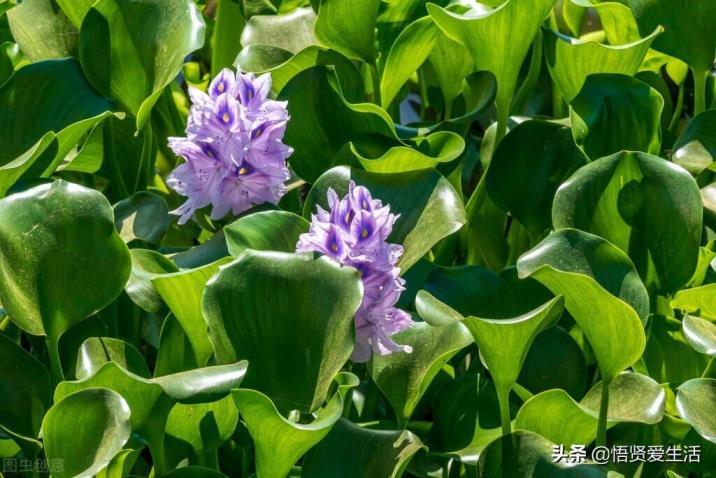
column 355, row 233
column 235, row 157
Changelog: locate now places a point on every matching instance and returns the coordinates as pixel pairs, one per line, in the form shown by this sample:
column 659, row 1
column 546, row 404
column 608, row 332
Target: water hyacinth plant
column 357, row 238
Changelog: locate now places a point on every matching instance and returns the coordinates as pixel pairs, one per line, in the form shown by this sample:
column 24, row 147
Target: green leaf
column 633, row 397
column 279, row 442
column 45, row 107
column 612, row 113
column 695, row 149
column 504, row 343
column 696, row 402
column 571, row 61
column 593, row 274
column 668, row 357
column 265, row 231
column 143, row 216
column 617, row 20
column 688, row 33
column 452, row 62
column 701, row 334
column 527, row 168
column 196, row 430
column 75, row 9
column 85, row 431
column 389, row 452
column 529, row 455
column 97, row 351
column 291, row 316
column 409, row 51
column 175, row 352
column 194, row 472
column 643, row 204
column 182, row 292
column 403, row 378
column 430, row 209
column 349, row 27
column 42, row 30
column 699, row 300
column 26, row 390
column 438, row 148
column 498, row 40
column 147, row 265
column 46, row 292
column 121, row 54
column 291, row 32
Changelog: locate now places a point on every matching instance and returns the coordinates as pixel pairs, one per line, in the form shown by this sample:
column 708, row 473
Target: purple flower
column 235, row 157
column 354, row 232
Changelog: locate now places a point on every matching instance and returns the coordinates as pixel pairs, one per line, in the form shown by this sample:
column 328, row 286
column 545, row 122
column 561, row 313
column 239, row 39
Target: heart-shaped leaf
column 498, row 41
column 279, row 442
column 85, row 431
column 265, row 231
column 633, row 397
column 97, row 351
column 349, row 27
column 638, row 202
column 64, row 107
column 698, row 300
column 291, row 316
column 147, row 265
column 143, row 216
column 132, row 34
column 696, row 402
column 389, row 451
column 404, row 378
column 612, row 113
column 524, row 183
column 46, row 292
column 292, row 32
column 26, row 386
column 571, row 61
column 430, row 209
column 587, row 270
column 701, row 334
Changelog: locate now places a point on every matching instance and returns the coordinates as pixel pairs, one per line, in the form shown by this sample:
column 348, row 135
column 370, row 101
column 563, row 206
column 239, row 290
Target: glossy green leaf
column 175, row 351
column 265, row 231
column 504, row 343
column 668, row 357
column 612, row 113
column 498, row 40
column 97, row 351
column 147, row 265
column 389, row 451
column 45, row 292
column 696, row 402
column 290, row 316
column 451, row 62
column 26, row 388
column 594, row 275
column 527, row 168
column 571, row 61
column 429, row 207
column 42, row 30
column 86, row 430
column 643, row 204
column 633, row 397
column 410, row 50
column 617, row 20
column 528, row 455
column 64, row 107
column 404, row 377
column 701, row 334
column 279, row 442
column 199, row 429
column 349, row 27
column 143, row 216
column 292, row 32
column 122, row 48
column 695, row 150
column 698, row 300
column 688, row 33
column 182, row 292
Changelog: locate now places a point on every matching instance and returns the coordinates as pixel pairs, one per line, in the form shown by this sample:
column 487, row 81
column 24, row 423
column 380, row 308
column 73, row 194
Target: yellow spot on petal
column 334, row 247
column 243, row 170
column 226, row 117
column 364, row 233
column 221, row 87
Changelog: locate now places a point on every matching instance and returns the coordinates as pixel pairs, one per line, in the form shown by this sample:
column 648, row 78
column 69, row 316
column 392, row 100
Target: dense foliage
column 357, row 238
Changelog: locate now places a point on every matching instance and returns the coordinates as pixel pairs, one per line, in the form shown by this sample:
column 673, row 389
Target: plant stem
column 503, row 398
column 4, row 324
column 699, row 91
column 709, row 366
column 674, row 123
column 503, row 116
column 376, row 83
column 603, row 410
column 53, row 353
